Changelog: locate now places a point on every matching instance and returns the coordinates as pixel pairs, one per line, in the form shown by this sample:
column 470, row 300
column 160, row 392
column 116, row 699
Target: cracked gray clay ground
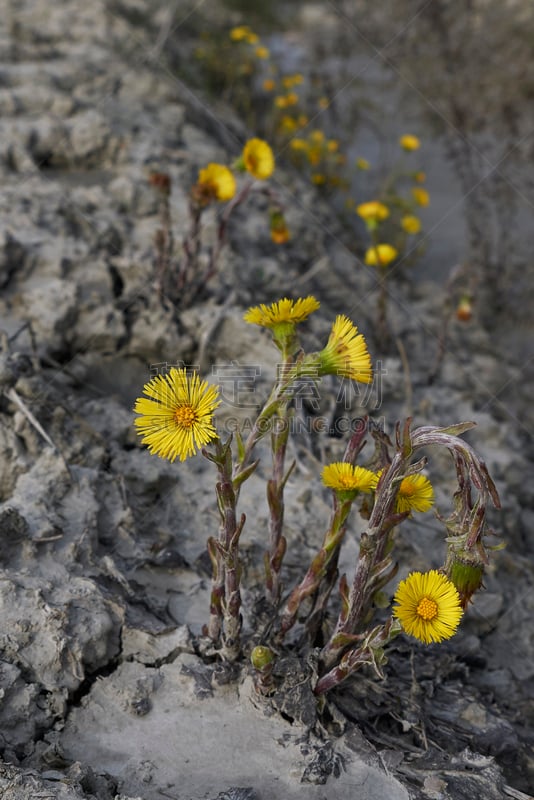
column 103, row 582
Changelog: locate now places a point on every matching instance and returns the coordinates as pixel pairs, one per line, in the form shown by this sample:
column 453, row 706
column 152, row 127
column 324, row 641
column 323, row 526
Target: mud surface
column 104, row 584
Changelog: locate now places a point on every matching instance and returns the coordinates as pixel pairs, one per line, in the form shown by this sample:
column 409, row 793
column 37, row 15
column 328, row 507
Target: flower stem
column 225, row 605
column 319, row 566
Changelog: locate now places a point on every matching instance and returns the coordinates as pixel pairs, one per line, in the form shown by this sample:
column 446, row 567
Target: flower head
column 239, row 33
column 282, row 312
column 346, row 353
column 268, row 85
column 215, row 182
column 415, row 494
column 346, row 478
column 177, row 416
column 380, row 255
column 411, row 224
column 409, row 142
column 421, row 196
column 362, row 163
column 298, row 144
column 373, row 212
column 428, row 606
column 262, row 52
column 258, row 159
column 288, row 81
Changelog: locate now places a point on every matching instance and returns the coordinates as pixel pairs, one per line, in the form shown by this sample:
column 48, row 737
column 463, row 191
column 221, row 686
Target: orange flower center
column 185, row 417
column 427, row 609
column 252, row 162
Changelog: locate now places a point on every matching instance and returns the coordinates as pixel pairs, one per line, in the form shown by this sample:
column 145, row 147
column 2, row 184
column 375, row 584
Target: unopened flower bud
column 261, row 657
column 464, row 311
column 467, row 577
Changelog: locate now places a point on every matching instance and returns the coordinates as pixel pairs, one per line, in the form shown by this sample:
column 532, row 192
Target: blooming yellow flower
column 420, row 177
column 362, row 163
column 381, row 255
column 323, row 103
column 240, row 33
column 258, row 159
column 262, row 52
column 314, row 155
column 282, row 311
column 374, row 211
column 292, row 99
column 421, row 196
column 177, row 416
column 298, row 144
column 268, row 85
column 288, row 124
column 252, row 38
column 415, row 494
column 318, row 178
column 428, row 606
column 343, row 477
column 409, row 142
column 317, row 136
column 288, row 81
column 411, row 224
column 215, row 182
column 346, row 353
column 332, row 145
column 280, row 101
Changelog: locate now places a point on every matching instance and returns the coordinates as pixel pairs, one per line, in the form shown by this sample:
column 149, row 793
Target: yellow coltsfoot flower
column 345, row 478
column 409, row 142
column 282, row 312
column 345, row 353
column 363, row 164
column 428, row 606
column 380, row 255
column 258, row 159
column 177, row 416
column 411, row 224
column 415, row 493
column 421, row 196
column 374, row 211
column 215, row 182
column 240, row 33
column 282, row 318
column 298, row 144
column 262, row 52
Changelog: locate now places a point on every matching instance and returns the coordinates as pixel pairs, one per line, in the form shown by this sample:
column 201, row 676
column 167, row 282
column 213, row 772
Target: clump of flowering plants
column 177, row 418
column 181, row 273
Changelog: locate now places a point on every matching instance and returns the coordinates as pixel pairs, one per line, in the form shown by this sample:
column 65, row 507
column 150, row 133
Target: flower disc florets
column 428, row 606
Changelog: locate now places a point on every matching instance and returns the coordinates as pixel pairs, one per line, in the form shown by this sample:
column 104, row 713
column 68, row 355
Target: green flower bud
column 261, row 657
